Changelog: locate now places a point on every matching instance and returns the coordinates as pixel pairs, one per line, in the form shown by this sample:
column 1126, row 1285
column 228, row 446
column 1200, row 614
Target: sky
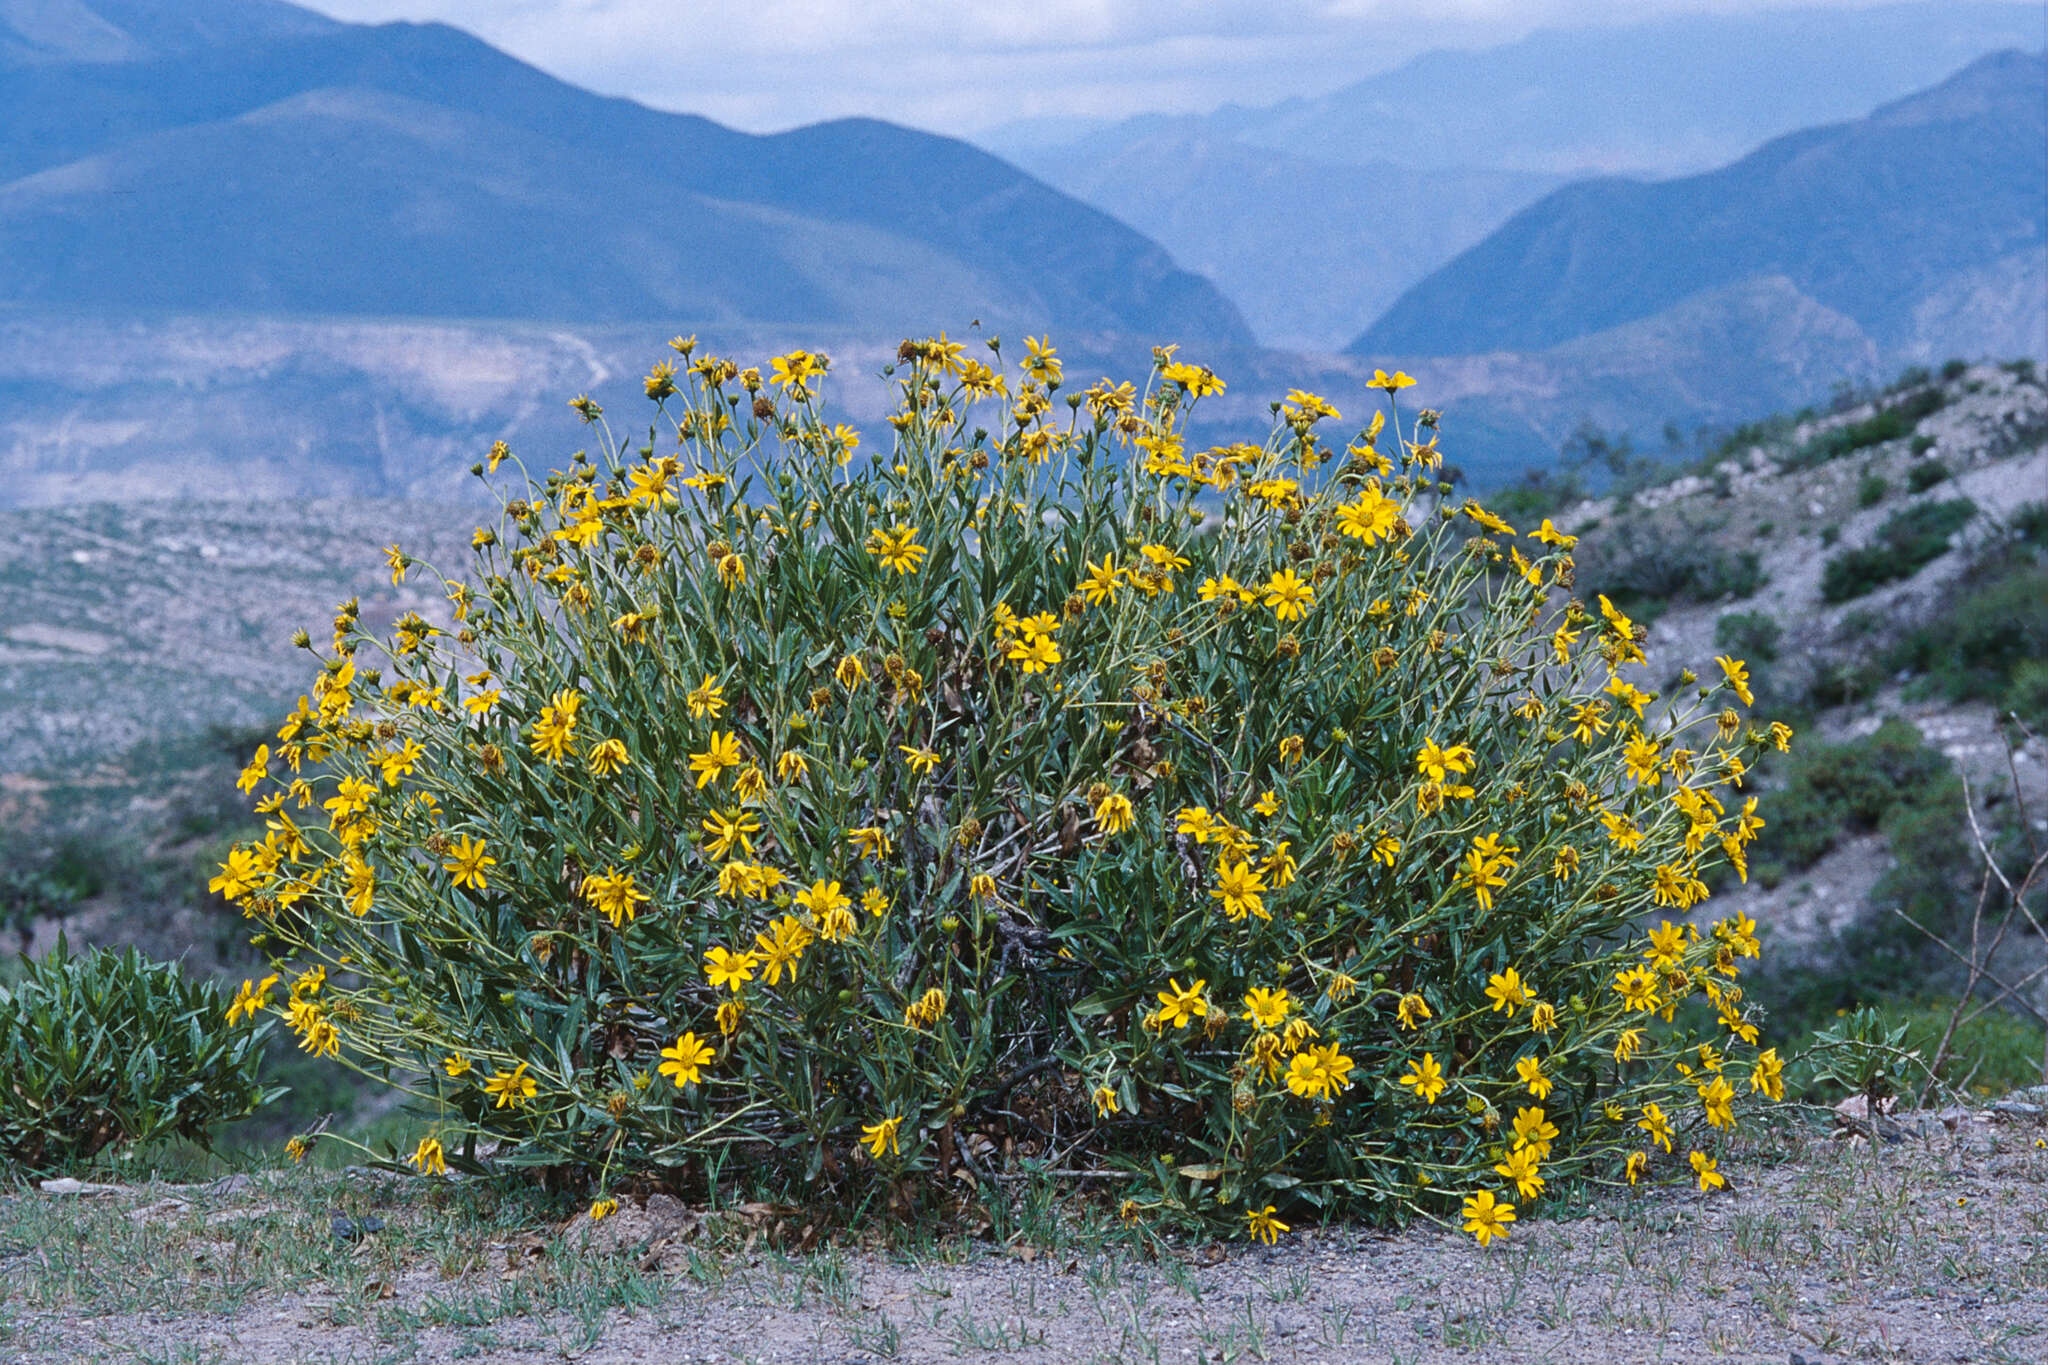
column 968, row 66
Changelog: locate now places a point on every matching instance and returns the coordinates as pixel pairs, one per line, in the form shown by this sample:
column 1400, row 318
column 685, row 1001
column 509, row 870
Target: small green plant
column 1871, row 490
column 1955, row 368
column 103, row 1048
column 1927, row 473
column 1908, row 541
column 1862, row 1053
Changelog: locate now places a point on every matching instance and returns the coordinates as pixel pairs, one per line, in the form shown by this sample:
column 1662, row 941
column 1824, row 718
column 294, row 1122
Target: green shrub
column 1036, row 788
column 2030, row 524
column 1924, row 474
column 1907, row 542
column 1871, row 489
column 102, row 1048
column 1644, row 571
column 1976, row 645
column 1836, row 791
column 1752, row 634
column 1954, row 368
column 1888, row 423
column 1920, row 445
column 2026, row 696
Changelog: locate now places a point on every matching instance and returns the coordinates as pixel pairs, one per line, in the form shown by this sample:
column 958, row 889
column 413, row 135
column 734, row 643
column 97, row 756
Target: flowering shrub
column 99, row 1049
column 1250, row 818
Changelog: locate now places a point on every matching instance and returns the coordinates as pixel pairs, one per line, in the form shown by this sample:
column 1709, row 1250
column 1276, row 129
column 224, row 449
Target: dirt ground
column 1936, row 1249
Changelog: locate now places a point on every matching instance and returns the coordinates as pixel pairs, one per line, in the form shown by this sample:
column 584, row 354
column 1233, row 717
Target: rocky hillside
column 1884, row 568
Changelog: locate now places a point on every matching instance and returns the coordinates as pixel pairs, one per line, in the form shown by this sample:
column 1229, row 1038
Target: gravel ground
column 1936, row 1249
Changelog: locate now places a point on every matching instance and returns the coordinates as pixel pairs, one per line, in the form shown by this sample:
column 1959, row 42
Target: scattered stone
column 68, row 1185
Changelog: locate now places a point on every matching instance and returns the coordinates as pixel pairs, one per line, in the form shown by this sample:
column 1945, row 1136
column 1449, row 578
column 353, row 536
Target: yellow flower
column 1238, row 886
column 926, row 1010
column 782, row 948
column 881, row 1137
column 1034, row 654
column 1426, row 1078
column 1266, row 1008
column 510, row 1088
column 1263, row 1226
column 1737, row 674
column 1656, row 1125
column 455, row 1064
column 1520, row 1167
column 874, row 901
column 706, row 699
column 468, row 862
column 851, row 672
column 730, row 829
column 1437, row 764
column 1638, row 989
column 724, row 967
column 1114, row 813
column 1391, row 383
column 1718, row 1099
column 1487, row 1218
column 685, row 1060
column 1412, row 1010
column 921, row 761
column 252, row 997
column 1543, row 1018
column 897, row 549
column 1100, row 583
column 1768, row 1074
column 1370, row 518
column 1178, row 1005
column 792, row 766
column 1507, row 991
column 1628, row 1044
column 1533, row 1129
column 601, row 1209
column 1635, row 1165
column 1105, row 1101
column 1529, row 1071
column 430, row 1158
column 870, row 840
column 1288, row 596
column 723, row 753
column 1704, row 1167
column 616, row 894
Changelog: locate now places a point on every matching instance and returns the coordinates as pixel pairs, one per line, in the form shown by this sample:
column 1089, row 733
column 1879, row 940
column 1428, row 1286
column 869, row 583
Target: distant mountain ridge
column 317, row 167
column 1314, row 214
column 1872, row 219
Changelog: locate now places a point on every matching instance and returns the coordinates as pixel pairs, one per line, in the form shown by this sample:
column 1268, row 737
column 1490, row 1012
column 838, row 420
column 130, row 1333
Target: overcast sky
column 963, row 66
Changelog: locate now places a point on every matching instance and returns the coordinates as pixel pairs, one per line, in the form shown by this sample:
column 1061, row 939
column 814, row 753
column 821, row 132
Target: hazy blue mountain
column 1668, row 94
column 413, row 169
column 1305, row 249
column 1313, row 215
column 1887, row 221
column 35, row 32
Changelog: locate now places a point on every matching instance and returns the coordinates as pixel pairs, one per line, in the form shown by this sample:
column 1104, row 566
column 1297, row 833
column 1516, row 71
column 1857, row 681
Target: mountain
column 1306, row 249
column 312, row 167
column 1894, row 221
column 1662, row 96
column 38, row 32
column 1314, row 214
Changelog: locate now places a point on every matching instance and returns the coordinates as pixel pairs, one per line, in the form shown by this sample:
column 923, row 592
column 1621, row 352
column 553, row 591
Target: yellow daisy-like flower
column 510, row 1089
column 685, row 1061
column 1486, row 1217
column 881, row 1137
column 1425, row 1078
column 430, row 1158
column 1288, row 595
column 1263, row 1226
